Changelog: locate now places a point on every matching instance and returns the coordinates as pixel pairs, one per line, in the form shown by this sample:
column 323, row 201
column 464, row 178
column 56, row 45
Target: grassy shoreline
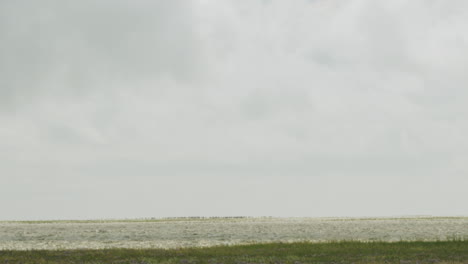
column 455, row 251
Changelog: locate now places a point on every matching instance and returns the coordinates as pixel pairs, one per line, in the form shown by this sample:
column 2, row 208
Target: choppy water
column 209, row 232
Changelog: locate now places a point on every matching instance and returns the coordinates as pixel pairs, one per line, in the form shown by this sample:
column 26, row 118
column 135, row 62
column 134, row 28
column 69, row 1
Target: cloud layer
column 167, row 108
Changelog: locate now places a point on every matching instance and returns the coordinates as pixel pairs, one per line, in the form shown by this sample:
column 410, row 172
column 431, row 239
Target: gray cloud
column 75, row 48
column 309, row 100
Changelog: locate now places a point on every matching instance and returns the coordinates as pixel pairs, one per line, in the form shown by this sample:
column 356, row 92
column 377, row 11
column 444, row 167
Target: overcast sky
column 126, row 109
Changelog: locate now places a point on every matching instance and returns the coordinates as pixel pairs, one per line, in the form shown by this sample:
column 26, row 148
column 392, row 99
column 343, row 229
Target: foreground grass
column 276, row 253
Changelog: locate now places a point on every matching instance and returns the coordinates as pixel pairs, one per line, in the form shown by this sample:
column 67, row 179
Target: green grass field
column 276, row 253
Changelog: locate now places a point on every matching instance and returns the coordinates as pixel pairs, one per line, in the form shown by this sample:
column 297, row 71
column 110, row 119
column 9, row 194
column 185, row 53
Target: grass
column 455, row 251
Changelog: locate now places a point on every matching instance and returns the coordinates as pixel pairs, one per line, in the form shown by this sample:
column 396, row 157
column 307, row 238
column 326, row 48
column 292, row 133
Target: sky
column 166, row 108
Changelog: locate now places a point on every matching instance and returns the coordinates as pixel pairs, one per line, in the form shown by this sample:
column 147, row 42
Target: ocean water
column 174, row 233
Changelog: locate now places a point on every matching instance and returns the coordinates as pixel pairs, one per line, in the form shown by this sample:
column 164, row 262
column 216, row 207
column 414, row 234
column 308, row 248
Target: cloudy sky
column 120, row 108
